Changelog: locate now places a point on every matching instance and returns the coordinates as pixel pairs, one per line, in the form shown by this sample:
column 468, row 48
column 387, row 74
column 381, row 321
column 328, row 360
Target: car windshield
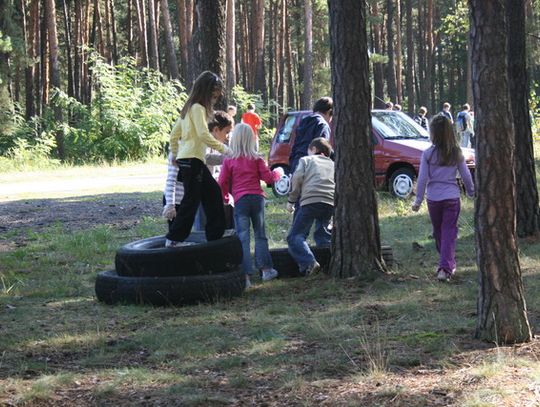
column 284, row 134
column 401, row 125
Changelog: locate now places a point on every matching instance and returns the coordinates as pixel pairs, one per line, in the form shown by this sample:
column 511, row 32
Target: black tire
column 287, row 267
column 113, row 289
column 150, row 258
column 402, row 182
column 282, row 186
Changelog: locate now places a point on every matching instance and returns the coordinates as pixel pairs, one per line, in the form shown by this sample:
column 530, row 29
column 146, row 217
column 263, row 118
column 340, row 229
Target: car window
column 385, row 131
column 402, row 125
column 284, row 135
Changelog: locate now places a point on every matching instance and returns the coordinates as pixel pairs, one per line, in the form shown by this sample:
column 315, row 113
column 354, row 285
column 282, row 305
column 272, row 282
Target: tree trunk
column 528, row 211
column 502, row 315
column 171, row 55
column 421, row 72
column 307, row 94
column 231, row 46
column 50, row 13
column 378, row 67
column 152, row 36
column 399, row 85
column 68, row 36
column 429, row 58
column 390, row 67
column 212, row 26
column 259, row 76
column 411, row 107
column 143, row 41
column 30, row 70
column 114, row 44
column 356, row 239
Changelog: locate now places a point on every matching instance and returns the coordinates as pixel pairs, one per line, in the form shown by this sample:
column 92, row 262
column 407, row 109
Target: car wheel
column 401, row 183
column 150, row 258
column 113, row 289
column 282, row 186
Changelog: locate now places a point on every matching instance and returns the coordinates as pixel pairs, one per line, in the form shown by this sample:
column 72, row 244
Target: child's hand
column 415, row 207
column 279, row 171
column 290, row 207
column 169, row 212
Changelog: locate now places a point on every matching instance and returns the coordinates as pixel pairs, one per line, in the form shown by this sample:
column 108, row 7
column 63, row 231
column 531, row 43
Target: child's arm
column 214, row 159
column 466, row 178
column 176, row 134
column 224, row 180
column 422, row 181
column 198, row 113
column 265, row 174
column 297, row 182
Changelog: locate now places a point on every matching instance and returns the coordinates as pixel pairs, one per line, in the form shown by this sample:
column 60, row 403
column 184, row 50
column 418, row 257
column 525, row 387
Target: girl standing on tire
column 438, row 169
column 189, row 139
column 241, row 176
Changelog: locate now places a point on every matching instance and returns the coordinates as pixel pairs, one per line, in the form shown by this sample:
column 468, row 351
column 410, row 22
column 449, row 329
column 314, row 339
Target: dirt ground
column 123, row 211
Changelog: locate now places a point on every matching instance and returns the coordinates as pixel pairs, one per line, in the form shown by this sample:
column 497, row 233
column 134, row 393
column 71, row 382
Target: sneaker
column 174, row 243
column 248, row 282
column 443, row 275
column 313, row 269
column 268, row 275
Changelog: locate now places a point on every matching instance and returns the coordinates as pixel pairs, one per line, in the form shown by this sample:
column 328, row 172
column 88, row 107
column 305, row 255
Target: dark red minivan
column 398, row 143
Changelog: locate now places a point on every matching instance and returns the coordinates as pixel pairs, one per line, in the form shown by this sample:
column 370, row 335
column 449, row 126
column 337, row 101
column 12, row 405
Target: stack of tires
column 148, row 273
column 287, row 267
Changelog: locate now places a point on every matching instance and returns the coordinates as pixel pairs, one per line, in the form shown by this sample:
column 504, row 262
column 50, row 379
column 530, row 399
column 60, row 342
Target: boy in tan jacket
column 313, row 186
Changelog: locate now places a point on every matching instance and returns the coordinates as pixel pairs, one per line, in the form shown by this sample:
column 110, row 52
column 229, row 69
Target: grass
column 403, row 339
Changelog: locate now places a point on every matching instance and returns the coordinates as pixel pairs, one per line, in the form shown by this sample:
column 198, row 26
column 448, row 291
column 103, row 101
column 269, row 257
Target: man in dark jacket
column 316, row 124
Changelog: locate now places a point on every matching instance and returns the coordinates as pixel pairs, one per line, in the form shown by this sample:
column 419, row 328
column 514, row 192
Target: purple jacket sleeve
column 422, row 180
column 466, row 178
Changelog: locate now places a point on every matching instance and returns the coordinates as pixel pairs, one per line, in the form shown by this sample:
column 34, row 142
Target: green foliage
column 130, row 117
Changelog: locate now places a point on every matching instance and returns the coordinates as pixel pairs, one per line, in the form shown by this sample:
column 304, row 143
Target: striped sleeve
column 171, row 188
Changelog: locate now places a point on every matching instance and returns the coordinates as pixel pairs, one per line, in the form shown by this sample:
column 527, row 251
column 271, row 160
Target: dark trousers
column 199, row 188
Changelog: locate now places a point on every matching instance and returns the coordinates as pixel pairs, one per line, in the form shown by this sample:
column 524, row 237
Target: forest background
column 102, row 80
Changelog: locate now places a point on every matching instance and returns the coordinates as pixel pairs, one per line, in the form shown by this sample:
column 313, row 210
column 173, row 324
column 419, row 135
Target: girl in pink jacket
column 241, row 177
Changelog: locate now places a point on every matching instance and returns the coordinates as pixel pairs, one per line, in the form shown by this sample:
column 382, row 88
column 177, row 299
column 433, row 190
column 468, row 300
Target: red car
column 398, row 143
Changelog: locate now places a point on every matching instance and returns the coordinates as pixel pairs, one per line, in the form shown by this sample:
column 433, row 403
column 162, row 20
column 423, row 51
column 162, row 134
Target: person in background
column 241, row 176
column 189, row 139
column 464, row 125
column 421, row 118
column 252, row 119
column 397, row 107
column 313, row 185
column 437, row 178
column 446, row 111
column 231, row 111
column 389, row 106
column 312, row 126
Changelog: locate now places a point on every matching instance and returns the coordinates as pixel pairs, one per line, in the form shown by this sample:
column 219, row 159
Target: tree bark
column 259, row 76
column 378, row 67
column 409, row 84
column 29, row 35
column 390, row 66
column 69, row 58
column 171, row 55
column 502, row 315
column 307, row 94
column 50, row 13
column 399, row 85
column 212, row 26
column 231, row 46
column 528, row 211
column 152, row 36
column 143, row 41
column 356, row 238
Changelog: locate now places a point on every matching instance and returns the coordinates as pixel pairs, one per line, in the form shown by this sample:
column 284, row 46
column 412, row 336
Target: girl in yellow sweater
column 189, row 139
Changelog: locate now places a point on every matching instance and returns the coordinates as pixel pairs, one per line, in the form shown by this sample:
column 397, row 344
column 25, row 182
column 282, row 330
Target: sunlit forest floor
column 402, row 340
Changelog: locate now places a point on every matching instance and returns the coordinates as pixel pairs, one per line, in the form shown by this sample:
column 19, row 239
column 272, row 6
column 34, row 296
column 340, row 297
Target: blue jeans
column 250, row 208
column 320, row 213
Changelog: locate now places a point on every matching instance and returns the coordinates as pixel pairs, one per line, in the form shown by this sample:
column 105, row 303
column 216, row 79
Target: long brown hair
column 444, row 139
column 201, row 92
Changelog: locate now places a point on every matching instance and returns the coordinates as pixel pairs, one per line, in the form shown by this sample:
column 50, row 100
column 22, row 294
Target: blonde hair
column 242, row 142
